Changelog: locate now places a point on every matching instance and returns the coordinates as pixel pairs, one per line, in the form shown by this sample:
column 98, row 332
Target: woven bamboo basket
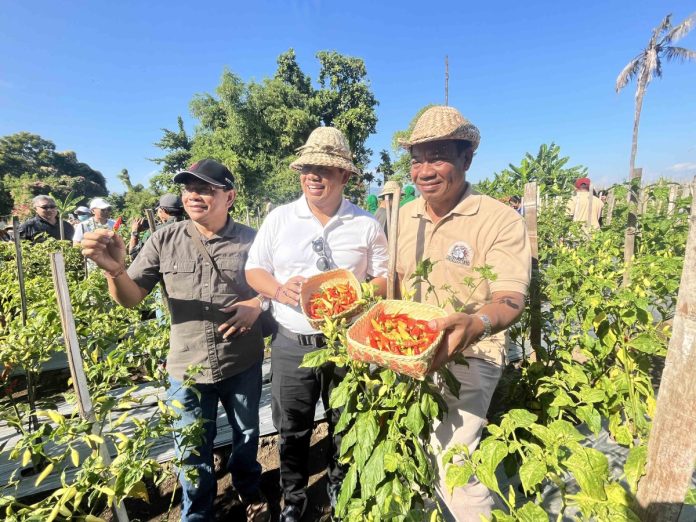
column 415, row 366
column 325, row 280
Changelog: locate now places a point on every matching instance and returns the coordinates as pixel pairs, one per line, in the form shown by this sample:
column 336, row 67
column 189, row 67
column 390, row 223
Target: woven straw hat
column 389, row 187
column 442, row 123
column 327, row 147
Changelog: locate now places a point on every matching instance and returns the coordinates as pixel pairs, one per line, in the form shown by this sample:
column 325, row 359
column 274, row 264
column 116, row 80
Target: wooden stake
column 672, row 446
column 530, row 214
column 20, row 269
column 77, row 370
column 640, row 201
column 611, row 201
column 671, row 200
column 630, row 236
column 150, row 215
column 392, row 279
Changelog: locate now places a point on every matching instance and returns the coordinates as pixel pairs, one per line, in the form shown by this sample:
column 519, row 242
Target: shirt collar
column 467, row 206
column 229, row 231
column 345, row 211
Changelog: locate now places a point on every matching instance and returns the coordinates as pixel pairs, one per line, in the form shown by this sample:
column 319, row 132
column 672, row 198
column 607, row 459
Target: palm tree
column 648, row 63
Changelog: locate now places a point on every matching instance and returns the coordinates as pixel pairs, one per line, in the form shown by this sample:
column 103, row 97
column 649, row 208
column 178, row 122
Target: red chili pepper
column 118, row 223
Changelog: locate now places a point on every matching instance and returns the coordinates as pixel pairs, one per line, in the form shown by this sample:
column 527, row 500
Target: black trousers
column 295, row 392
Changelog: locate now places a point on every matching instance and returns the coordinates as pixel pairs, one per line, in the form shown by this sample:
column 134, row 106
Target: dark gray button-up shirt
column 196, row 295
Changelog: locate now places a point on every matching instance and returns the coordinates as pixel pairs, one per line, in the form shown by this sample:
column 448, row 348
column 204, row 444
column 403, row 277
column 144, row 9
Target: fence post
column 77, row 370
column 393, row 220
column 530, row 214
column 672, row 445
column 671, row 199
column 611, row 201
column 630, row 236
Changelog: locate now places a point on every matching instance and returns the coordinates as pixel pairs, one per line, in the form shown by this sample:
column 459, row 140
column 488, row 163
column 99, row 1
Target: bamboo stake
column 530, row 214
column 150, row 215
column 672, row 446
column 77, row 370
column 393, row 211
column 630, row 236
column 611, row 201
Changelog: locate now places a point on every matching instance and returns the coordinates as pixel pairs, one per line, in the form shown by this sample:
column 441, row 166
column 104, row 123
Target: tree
column 648, row 63
column 179, row 144
column 385, row 167
column 547, row 168
column 30, row 165
column 255, row 128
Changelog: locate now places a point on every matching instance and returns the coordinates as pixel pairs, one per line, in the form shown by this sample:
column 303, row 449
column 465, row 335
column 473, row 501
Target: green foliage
column 255, row 127
column 547, row 168
column 30, row 165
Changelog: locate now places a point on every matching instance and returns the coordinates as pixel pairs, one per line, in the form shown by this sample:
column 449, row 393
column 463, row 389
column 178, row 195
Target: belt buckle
column 304, row 340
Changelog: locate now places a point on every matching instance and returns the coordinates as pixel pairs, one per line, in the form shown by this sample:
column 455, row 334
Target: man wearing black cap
column 214, row 325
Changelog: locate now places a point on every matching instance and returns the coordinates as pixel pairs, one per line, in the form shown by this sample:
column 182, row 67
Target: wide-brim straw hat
column 327, row 147
column 390, row 187
column 442, row 123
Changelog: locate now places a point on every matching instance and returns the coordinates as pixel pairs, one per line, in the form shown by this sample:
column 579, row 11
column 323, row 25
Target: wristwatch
column 487, row 327
column 265, row 302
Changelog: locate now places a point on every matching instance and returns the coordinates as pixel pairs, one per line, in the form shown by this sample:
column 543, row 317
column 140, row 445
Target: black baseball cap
column 207, row 170
column 170, row 202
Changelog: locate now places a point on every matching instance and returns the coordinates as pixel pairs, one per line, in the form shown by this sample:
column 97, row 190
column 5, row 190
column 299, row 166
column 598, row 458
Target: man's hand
column 244, row 315
column 460, row 331
column 289, row 293
column 105, row 248
column 137, row 224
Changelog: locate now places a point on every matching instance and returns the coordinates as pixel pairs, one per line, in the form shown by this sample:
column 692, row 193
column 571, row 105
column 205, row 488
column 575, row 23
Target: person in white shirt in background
column 101, row 218
column 319, row 231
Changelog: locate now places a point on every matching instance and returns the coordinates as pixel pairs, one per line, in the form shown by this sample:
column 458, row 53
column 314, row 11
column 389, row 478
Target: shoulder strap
column 196, row 238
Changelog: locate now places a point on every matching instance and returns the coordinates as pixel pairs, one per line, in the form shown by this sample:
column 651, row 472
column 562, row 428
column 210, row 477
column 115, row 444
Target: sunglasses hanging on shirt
column 319, row 247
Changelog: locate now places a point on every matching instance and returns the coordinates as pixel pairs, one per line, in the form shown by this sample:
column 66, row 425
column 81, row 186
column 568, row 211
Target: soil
column 227, row 506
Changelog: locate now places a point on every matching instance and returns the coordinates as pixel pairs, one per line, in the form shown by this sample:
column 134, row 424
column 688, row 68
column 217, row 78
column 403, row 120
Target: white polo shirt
column 353, row 239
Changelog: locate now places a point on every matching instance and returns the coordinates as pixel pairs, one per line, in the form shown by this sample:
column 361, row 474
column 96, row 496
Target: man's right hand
column 105, row 248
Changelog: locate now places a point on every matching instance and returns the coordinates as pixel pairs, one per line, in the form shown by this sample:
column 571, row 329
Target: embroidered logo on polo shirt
column 460, row 253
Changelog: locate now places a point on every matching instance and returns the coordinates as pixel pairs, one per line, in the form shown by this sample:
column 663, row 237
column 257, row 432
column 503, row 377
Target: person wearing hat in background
column 319, row 231
column 101, row 218
column 371, row 203
column 5, row 232
column 214, row 325
column 170, row 210
column 389, row 187
column 578, row 207
column 45, row 223
column 459, row 230
column 81, row 214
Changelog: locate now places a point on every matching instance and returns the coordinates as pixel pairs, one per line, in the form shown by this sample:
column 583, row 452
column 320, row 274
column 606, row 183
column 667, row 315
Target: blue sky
column 102, row 78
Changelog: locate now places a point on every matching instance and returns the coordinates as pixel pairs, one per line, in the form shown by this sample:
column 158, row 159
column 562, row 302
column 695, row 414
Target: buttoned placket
column 207, row 302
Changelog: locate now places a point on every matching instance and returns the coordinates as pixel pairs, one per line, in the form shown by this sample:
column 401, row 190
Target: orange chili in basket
column 332, row 301
column 400, row 334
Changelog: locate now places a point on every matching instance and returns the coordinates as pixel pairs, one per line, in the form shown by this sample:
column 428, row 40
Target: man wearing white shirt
column 101, row 210
column 320, row 231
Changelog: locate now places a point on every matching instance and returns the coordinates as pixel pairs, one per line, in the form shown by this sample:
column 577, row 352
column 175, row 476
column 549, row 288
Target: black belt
column 317, row 340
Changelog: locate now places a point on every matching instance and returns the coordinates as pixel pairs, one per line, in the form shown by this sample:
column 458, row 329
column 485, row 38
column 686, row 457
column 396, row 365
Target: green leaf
column 591, row 417
column 645, row 343
column 347, row 489
column 340, row 394
column 530, row 512
column 366, row 431
column 458, row 475
column 315, row 358
column 491, row 453
column 452, row 383
column 522, row 418
column 373, row 473
column 592, row 395
column 532, row 472
column 635, row 465
column 414, row 419
column 690, row 498
column 591, row 470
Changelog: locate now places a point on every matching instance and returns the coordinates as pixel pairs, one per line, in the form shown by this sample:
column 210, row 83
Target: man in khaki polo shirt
column 459, row 231
column 579, row 205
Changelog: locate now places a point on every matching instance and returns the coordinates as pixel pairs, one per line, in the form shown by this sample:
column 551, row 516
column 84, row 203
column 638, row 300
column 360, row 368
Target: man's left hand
column 244, row 315
column 460, row 331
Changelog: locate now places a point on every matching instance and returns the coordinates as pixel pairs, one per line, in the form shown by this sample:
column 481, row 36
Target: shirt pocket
column 232, row 280
column 178, row 278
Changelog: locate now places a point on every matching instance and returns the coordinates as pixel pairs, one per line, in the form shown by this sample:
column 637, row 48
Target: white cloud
column 683, row 167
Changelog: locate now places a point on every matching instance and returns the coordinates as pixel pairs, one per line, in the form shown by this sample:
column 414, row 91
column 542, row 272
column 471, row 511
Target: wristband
column 114, row 275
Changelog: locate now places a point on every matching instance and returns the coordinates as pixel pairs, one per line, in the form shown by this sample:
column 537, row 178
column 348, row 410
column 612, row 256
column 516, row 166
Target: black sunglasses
column 46, row 207
column 318, row 246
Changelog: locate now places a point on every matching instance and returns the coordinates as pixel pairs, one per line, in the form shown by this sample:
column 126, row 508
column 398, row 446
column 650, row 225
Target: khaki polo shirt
column 196, row 295
column 579, row 206
column 478, row 231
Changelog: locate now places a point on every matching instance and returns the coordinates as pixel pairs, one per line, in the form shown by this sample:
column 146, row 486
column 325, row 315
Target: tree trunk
column 630, row 236
column 672, row 445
